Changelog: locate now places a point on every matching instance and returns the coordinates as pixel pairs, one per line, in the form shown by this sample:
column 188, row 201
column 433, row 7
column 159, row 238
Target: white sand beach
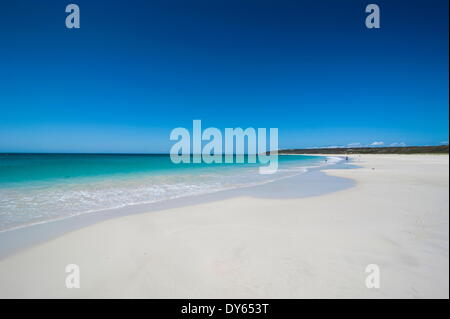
column 250, row 247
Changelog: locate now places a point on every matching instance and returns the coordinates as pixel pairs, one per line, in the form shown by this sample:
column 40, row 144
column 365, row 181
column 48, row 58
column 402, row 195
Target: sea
column 39, row 188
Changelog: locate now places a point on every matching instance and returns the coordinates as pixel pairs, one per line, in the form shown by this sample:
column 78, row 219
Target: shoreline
column 267, row 246
column 16, row 239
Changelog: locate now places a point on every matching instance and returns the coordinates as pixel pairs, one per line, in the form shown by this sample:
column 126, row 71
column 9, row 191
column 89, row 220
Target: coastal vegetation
column 441, row 149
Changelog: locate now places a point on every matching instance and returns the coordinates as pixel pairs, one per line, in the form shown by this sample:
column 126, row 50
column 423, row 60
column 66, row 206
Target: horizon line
column 168, row 153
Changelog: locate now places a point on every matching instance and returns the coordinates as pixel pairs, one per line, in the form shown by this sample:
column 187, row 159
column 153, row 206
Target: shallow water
column 36, row 188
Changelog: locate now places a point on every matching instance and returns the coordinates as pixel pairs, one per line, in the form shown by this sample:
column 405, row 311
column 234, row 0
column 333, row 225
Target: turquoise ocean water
column 36, row 188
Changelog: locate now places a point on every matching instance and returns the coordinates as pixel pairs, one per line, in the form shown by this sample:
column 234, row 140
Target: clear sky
column 137, row 69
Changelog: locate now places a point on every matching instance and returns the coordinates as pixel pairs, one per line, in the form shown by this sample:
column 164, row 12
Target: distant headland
column 441, row 149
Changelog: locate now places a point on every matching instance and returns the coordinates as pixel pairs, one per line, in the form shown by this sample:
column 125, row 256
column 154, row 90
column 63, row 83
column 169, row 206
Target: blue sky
column 137, row 69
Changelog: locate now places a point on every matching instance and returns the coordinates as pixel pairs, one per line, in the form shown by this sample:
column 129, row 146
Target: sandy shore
column 250, row 247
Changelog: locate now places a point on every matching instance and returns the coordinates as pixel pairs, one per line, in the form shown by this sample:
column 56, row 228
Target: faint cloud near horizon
column 377, row 143
column 357, row 144
column 398, row 144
